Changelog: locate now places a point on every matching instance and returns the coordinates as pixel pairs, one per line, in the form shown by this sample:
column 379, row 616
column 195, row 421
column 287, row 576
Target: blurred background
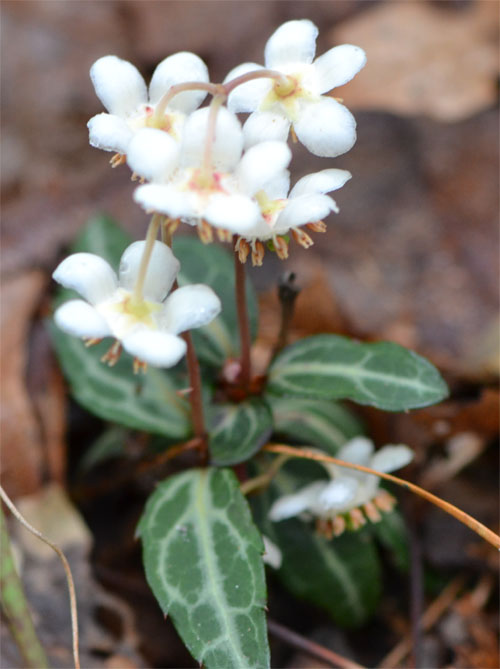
column 412, row 257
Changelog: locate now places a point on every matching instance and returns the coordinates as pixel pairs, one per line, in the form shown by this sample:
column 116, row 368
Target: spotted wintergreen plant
column 204, row 545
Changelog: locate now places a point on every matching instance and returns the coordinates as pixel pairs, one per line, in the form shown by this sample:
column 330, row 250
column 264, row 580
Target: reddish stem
column 243, row 323
column 195, row 397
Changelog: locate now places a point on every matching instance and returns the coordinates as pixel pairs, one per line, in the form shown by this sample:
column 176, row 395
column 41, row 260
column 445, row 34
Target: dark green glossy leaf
column 239, row 431
column 320, row 423
column 202, row 555
column 384, row 375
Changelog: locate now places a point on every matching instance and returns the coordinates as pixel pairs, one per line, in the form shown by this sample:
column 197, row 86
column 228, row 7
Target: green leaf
column 148, row 402
column 239, row 431
column 392, row 533
column 320, row 423
column 384, row 375
column 341, row 575
column 214, row 266
column 202, row 555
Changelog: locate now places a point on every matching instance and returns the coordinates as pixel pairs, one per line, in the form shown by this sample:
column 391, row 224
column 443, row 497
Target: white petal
column 277, row 188
column 357, row 450
column 320, row 182
column 118, row 85
column 166, row 199
column 90, row 275
column 293, row 505
column 337, row 494
column 153, row 154
column 247, row 97
column 260, row 230
column 326, row 128
column 162, row 269
column 264, row 126
column 228, row 144
column 109, row 132
column 158, row 349
column 272, row 554
column 80, row 319
column 304, row 209
column 237, row 213
column 292, row 42
column 261, row 164
column 178, row 69
column 338, row 66
column 390, row 458
column 189, row 307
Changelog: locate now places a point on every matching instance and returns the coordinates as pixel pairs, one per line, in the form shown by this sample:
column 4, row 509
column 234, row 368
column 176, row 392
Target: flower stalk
column 243, row 321
column 146, row 256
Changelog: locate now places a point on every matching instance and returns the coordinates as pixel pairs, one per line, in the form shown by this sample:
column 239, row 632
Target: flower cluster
column 204, row 168
column 349, row 497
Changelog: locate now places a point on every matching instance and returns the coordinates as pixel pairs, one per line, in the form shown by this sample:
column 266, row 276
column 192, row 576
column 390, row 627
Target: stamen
column 324, row 527
column 371, row 512
column 294, row 136
column 356, row 518
column 338, row 525
column 281, row 246
column 224, row 235
column 140, row 366
column 205, row 232
column 242, row 248
column 318, row 226
column 257, row 253
column 385, row 501
column 302, row 238
column 91, row 341
column 112, row 356
column 118, row 159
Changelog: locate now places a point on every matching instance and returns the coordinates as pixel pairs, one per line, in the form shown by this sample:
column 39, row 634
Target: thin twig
column 431, row 615
column 243, row 323
column 62, row 557
column 263, row 480
column 473, row 524
column 310, row 647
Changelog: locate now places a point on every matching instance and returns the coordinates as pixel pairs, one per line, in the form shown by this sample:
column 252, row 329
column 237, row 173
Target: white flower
column 184, row 187
column 272, row 554
column 322, row 124
column 307, row 204
column 146, row 327
column 122, row 90
column 349, row 495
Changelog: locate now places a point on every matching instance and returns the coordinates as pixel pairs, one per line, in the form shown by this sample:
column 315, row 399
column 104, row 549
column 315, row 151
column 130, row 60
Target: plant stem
column 256, row 74
column 15, row 607
column 67, row 570
column 473, row 524
column 180, row 88
column 195, row 396
column 146, row 255
column 243, row 323
column 215, row 105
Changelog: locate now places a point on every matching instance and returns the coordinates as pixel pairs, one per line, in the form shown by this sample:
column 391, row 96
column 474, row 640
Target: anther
column 118, row 159
column 281, row 246
column 318, row 226
column 357, row 519
column 205, row 232
column 385, row 501
column 371, row 512
column 338, row 525
column 302, row 238
column 257, row 253
column 224, row 235
column 92, row 341
column 112, row 356
column 242, row 248
column 140, row 366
